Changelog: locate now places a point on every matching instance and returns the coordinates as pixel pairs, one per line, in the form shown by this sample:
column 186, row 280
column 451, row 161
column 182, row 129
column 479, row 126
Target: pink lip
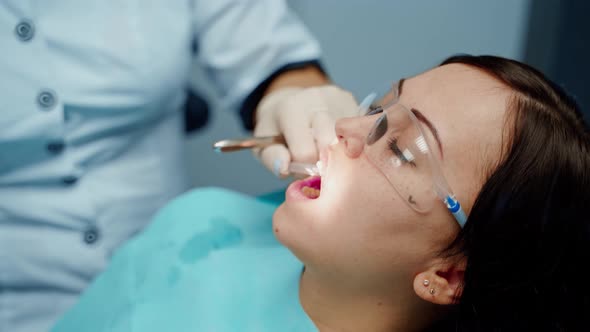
column 294, row 193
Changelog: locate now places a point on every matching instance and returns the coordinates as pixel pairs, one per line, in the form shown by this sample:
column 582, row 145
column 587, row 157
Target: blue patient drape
column 207, row 262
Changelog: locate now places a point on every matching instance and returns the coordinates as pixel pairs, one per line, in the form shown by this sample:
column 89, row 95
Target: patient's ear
column 441, row 282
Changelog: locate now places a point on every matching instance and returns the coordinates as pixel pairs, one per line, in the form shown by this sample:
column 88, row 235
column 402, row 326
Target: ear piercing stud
column 426, row 283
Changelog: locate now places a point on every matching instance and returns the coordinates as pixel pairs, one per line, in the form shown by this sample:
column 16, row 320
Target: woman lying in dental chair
column 458, row 203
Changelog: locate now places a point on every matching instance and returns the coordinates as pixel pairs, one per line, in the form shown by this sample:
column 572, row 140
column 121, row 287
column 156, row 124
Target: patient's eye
column 405, row 157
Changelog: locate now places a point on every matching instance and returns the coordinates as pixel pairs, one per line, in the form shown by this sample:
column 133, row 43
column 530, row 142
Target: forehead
column 468, row 108
column 457, row 85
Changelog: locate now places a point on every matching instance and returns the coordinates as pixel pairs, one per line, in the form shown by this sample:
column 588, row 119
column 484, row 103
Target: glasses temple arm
column 455, row 208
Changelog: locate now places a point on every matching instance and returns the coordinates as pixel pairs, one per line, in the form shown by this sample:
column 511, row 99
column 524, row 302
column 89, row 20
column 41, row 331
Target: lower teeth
column 311, row 192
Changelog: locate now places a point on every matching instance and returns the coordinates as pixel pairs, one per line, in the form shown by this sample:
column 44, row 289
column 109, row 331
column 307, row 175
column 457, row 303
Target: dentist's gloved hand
column 305, row 117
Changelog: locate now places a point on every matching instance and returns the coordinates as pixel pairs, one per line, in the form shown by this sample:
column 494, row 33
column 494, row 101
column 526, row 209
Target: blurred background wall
column 558, row 43
column 369, row 42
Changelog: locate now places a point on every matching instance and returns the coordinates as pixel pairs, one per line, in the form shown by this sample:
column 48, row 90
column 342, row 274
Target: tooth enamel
column 310, row 192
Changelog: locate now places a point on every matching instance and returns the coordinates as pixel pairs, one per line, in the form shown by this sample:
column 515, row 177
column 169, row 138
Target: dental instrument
column 305, row 168
column 232, row 145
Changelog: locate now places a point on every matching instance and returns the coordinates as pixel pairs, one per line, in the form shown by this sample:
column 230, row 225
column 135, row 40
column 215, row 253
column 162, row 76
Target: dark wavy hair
column 527, row 238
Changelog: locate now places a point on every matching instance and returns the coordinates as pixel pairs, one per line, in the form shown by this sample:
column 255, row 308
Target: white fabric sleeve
column 242, row 42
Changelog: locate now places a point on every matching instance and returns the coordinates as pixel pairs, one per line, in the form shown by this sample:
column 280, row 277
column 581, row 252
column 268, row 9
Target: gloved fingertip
column 284, row 172
column 276, row 167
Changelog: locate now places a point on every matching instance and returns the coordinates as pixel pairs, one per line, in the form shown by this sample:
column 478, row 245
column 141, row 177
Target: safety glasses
column 407, row 155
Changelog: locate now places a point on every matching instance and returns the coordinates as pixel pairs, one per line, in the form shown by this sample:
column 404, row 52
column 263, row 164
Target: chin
column 286, row 222
column 296, row 226
column 287, row 230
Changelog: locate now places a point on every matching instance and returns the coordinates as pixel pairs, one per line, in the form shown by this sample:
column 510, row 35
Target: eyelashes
column 379, row 130
column 392, row 144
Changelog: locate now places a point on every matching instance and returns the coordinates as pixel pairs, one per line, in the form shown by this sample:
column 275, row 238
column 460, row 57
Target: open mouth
column 305, row 189
column 311, row 187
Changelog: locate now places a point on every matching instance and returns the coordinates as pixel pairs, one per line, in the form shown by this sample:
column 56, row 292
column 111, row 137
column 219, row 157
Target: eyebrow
column 421, row 117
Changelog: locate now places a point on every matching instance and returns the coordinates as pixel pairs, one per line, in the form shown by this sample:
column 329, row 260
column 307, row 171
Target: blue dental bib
column 207, row 262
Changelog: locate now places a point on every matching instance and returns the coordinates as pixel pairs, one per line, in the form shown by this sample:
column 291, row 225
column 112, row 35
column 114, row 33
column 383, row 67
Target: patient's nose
column 352, row 133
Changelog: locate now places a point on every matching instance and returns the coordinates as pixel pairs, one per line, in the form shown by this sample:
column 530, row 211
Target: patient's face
column 359, row 227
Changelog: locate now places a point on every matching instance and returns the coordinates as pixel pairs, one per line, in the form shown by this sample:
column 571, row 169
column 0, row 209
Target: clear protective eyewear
column 409, row 158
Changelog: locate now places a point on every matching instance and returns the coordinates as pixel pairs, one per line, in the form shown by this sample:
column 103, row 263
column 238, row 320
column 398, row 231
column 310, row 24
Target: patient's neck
column 337, row 305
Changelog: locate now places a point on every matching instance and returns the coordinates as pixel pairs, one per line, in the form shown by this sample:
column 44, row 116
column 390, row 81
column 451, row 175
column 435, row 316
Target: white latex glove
column 305, row 117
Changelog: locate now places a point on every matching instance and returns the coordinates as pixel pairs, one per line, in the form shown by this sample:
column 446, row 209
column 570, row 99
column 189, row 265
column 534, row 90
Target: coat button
column 55, row 147
column 46, row 99
column 91, row 235
column 25, row 30
column 69, row 180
